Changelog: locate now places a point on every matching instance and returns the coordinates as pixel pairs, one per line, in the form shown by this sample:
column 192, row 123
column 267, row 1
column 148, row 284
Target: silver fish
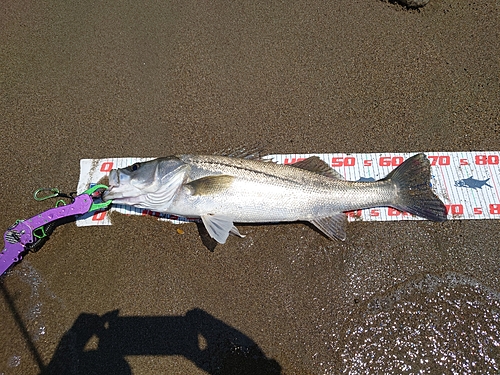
column 224, row 190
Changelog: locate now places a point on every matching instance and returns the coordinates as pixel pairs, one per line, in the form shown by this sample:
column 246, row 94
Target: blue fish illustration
column 472, row 183
column 366, row 179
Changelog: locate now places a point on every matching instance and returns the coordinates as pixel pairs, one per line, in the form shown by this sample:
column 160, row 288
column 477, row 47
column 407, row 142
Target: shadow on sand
column 98, row 344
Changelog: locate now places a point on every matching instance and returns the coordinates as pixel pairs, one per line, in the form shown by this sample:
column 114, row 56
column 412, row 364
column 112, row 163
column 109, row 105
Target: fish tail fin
column 415, row 195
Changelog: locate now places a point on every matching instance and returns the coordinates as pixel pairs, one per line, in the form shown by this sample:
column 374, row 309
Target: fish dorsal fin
column 219, row 227
column 252, row 152
column 316, row 165
column 332, row 226
column 210, row 184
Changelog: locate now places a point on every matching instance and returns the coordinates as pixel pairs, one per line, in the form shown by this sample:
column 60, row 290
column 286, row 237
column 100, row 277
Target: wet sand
column 90, row 80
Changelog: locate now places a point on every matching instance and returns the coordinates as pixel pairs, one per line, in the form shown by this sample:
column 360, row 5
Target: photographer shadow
column 99, row 344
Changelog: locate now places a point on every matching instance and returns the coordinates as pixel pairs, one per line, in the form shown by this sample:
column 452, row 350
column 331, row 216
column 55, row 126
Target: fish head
column 133, row 184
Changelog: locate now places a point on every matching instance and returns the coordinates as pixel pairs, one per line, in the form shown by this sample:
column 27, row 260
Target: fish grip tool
column 30, row 234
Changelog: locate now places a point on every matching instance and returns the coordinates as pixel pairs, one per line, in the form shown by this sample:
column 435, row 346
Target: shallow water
column 436, row 324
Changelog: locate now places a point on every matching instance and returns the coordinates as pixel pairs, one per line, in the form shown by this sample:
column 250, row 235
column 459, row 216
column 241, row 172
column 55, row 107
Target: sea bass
column 224, row 190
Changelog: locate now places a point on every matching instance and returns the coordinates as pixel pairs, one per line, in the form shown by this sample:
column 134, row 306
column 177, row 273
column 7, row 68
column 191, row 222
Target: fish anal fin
column 316, row 165
column 210, row 184
column 332, row 226
column 219, row 227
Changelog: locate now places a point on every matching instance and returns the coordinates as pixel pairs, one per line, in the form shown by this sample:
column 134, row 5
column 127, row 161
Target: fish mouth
column 114, row 178
column 114, row 182
column 108, row 194
column 113, row 193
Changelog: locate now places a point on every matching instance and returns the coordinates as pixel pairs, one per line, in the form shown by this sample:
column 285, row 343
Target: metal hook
column 40, row 196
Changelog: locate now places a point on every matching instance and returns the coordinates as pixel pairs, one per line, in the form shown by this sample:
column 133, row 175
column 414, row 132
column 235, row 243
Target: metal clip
column 54, row 193
column 39, row 196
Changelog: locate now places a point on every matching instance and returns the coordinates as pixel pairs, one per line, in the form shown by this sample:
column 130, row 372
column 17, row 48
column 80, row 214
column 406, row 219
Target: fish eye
column 134, row 167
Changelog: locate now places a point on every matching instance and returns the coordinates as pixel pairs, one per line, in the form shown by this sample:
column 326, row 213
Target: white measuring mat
column 467, row 182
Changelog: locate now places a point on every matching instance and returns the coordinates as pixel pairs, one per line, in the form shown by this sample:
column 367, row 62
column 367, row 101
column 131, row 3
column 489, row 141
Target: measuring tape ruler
column 467, row 182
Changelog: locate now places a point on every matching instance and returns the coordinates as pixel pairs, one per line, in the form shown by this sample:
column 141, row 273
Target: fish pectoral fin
column 219, row 227
column 210, row 184
column 332, row 226
column 316, row 165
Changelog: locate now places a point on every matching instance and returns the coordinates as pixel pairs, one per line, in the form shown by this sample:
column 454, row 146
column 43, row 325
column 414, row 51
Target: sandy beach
column 117, row 79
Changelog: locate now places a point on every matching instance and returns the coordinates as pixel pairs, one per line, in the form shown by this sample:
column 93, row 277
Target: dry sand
column 85, row 79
